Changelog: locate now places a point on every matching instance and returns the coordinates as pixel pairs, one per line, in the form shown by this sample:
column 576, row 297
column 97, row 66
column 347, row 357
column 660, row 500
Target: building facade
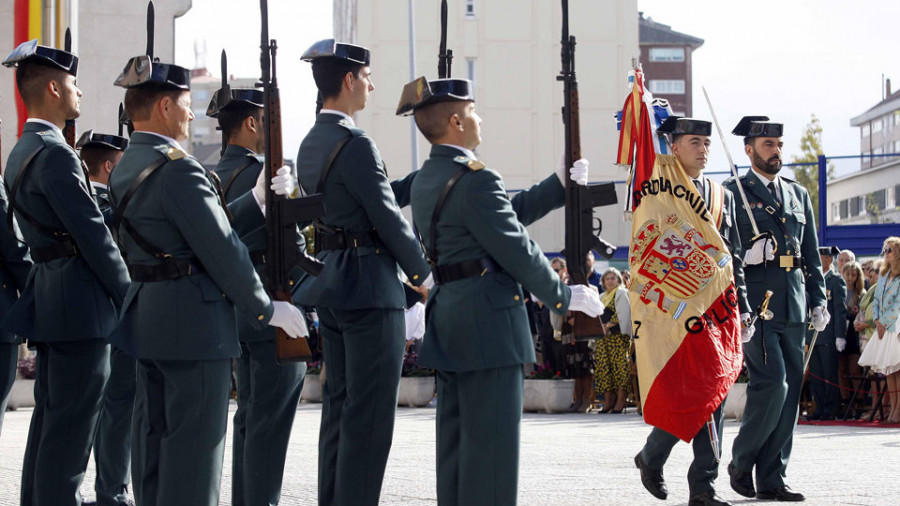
column 666, row 59
column 511, row 50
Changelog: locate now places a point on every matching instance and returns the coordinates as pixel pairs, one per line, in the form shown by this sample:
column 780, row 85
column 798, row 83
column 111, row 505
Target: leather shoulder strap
column 235, row 174
column 119, row 212
column 330, row 162
column 12, row 196
column 436, row 214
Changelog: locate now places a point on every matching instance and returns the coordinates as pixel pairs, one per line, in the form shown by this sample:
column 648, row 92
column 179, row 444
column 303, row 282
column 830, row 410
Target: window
column 897, row 195
column 470, row 8
column 667, row 87
column 878, row 151
column 845, row 204
column 470, row 69
column 876, row 125
column 669, row 54
column 855, row 204
column 835, row 212
column 878, row 199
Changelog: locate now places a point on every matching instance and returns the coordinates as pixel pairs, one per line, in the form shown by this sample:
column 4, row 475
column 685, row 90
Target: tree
column 808, row 173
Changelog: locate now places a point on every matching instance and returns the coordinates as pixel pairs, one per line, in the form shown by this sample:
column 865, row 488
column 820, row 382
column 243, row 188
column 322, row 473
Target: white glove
column 820, row 318
column 747, row 328
column 840, row 343
column 288, row 318
column 578, row 172
column 763, row 248
column 586, row 298
column 284, row 183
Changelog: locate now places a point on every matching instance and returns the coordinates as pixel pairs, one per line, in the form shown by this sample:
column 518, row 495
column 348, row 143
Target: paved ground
column 568, row 460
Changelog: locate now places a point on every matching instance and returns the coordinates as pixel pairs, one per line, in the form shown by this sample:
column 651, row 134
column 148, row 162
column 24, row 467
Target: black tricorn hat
column 422, row 92
column 677, row 125
column 32, row 52
column 758, row 126
column 222, row 101
column 91, row 140
column 141, row 71
column 328, row 48
column 829, row 250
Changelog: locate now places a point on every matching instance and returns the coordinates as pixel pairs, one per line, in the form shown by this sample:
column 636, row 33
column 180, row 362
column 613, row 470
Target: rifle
column 224, row 96
column 445, row 57
column 282, row 213
column 581, row 234
column 69, row 129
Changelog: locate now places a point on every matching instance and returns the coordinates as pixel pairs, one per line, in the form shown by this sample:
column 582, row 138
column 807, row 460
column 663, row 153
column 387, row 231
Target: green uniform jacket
column 480, row 322
column 729, row 231
column 177, row 209
column 792, row 294
column 71, row 298
column 358, row 198
column 15, row 265
column 836, row 294
column 238, row 158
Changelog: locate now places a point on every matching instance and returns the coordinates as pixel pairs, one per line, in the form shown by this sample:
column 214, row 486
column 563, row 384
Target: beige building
column 106, row 34
column 511, row 50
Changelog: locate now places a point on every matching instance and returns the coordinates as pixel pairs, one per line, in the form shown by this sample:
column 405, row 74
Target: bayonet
column 151, row 15
column 69, row 128
column 445, row 56
column 224, row 95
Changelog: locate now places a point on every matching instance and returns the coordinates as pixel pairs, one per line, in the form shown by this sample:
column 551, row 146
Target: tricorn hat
column 422, row 92
column 328, row 48
column 829, row 251
column 32, row 52
column 758, row 126
column 142, row 71
column 224, row 101
column 91, row 140
column 677, row 125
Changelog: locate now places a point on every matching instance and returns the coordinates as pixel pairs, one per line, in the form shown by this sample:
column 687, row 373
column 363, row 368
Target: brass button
column 415, row 277
column 559, row 305
column 291, row 282
column 260, row 317
column 516, row 298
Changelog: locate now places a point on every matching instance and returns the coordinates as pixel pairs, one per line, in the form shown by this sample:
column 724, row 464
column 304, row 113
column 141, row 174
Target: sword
column 714, row 436
column 808, row 355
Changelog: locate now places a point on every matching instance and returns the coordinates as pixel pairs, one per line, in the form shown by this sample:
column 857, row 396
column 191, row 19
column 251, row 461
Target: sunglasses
column 887, row 250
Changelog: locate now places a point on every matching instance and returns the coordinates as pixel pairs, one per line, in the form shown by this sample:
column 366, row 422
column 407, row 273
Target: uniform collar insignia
column 174, row 154
column 468, row 162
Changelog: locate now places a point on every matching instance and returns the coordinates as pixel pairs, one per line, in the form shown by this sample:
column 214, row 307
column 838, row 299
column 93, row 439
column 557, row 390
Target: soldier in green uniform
column 112, row 444
column 364, row 241
column 70, row 303
column 477, row 332
column 15, row 264
column 189, row 271
column 690, row 144
column 784, row 259
column 823, row 363
column 267, row 393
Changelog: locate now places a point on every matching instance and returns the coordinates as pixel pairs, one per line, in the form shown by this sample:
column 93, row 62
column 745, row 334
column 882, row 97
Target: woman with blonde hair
column 611, row 352
column 848, row 358
column 882, row 353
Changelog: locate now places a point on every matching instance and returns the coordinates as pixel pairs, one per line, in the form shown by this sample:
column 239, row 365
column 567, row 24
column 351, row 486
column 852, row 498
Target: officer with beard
column 782, row 258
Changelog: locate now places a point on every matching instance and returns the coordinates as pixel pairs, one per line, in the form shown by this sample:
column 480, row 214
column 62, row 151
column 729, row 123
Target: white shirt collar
column 339, row 113
column 47, row 123
column 167, row 139
column 467, row 152
column 99, row 185
column 765, row 181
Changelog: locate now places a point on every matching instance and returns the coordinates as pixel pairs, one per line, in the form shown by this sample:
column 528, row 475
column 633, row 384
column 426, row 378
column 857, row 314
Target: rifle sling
column 330, row 163
column 119, row 213
column 59, row 235
column 436, row 214
column 235, row 174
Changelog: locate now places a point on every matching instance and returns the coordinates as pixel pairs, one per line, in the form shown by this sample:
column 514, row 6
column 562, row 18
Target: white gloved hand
column 284, row 183
column 747, row 328
column 288, row 318
column 578, row 172
column 762, row 249
column 840, row 343
column 820, row 318
column 586, row 298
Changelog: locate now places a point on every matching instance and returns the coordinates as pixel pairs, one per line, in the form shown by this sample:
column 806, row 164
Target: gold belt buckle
column 786, row 261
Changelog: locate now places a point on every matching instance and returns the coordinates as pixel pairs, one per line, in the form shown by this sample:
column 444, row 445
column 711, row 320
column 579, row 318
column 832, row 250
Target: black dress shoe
column 653, row 480
column 782, row 493
column 741, row 482
column 708, row 498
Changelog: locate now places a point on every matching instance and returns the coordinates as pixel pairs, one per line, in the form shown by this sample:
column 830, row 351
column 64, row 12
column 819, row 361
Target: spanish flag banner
column 683, row 301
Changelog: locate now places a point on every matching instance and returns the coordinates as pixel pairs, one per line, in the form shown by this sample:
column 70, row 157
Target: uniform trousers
column 363, row 358
column 479, row 414
column 180, row 416
column 9, row 359
column 823, row 363
column 773, row 395
column 112, row 445
column 267, row 397
column 704, row 468
column 68, row 386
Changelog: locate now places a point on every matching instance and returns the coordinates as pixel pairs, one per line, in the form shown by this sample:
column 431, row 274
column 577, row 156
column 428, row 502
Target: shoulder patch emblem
column 470, row 163
column 174, row 154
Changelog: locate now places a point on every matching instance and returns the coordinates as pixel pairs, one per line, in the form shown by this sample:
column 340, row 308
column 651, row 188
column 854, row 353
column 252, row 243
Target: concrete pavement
column 570, row 460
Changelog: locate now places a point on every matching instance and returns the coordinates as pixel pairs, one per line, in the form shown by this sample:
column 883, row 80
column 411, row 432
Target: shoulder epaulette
column 174, row 154
column 469, row 162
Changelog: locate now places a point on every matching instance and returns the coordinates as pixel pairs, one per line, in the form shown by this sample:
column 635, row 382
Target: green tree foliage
column 808, row 175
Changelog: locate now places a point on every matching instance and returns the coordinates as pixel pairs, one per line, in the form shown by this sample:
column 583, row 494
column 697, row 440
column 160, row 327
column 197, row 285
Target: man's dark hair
column 432, row 119
column 749, row 141
column 140, row 101
column 230, row 120
column 329, row 74
column 94, row 156
column 31, row 78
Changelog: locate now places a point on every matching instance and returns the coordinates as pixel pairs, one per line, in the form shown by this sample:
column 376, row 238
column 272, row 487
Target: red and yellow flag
column 636, row 135
column 683, row 303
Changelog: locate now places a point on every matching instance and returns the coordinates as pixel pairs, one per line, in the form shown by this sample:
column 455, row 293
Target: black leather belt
column 344, row 240
column 462, row 270
column 258, row 257
column 59, row 249
column 166, row 271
